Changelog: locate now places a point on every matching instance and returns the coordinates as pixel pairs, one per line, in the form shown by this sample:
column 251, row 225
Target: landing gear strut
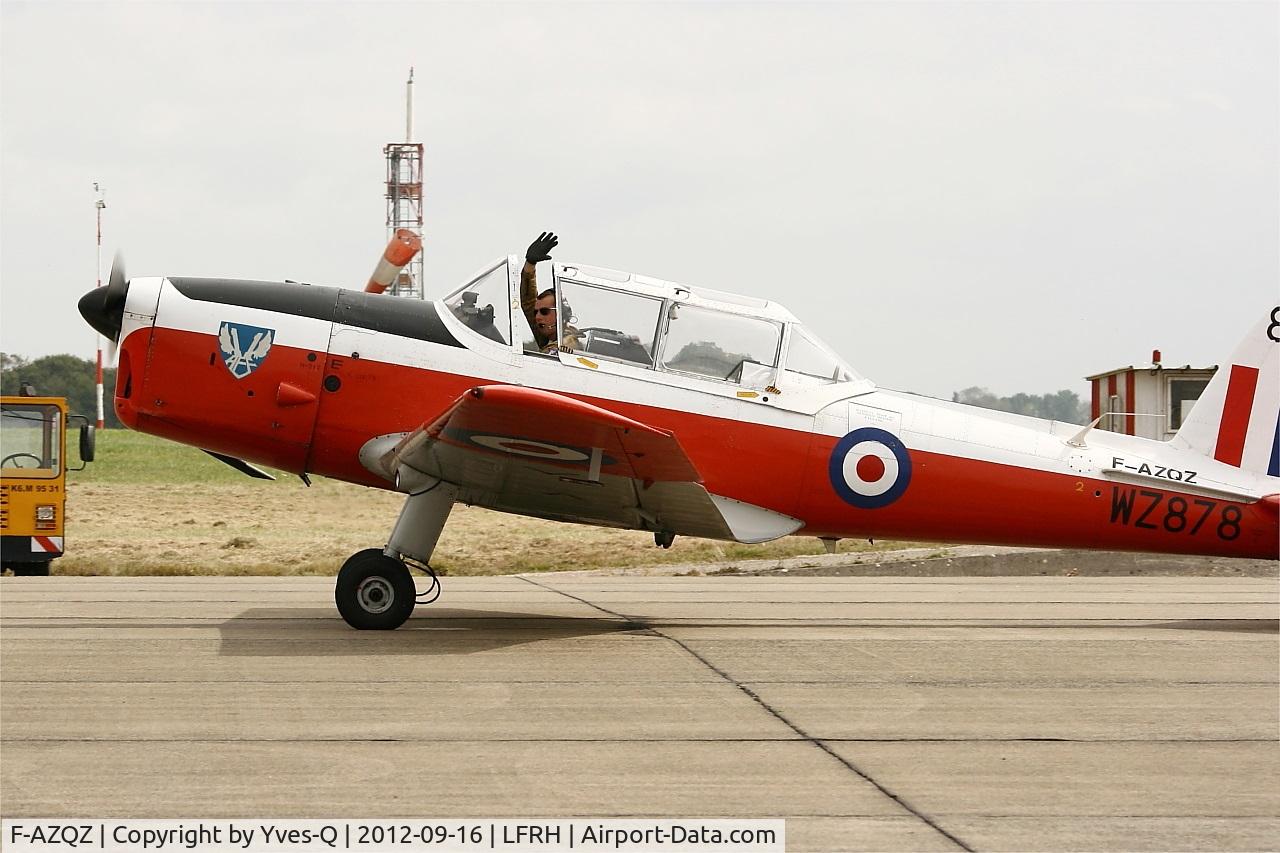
column 375, row 590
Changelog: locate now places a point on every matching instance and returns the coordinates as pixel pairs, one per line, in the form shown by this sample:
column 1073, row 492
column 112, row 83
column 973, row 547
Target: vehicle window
column 812, row 360
column 482, row 305
column 608, row 323
column 29, row 438
column 717, row 345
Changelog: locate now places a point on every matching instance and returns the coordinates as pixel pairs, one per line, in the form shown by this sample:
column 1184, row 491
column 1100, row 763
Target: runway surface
column 870, row 713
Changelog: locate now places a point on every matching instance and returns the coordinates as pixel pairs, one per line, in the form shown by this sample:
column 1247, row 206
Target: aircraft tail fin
column 1237, row 418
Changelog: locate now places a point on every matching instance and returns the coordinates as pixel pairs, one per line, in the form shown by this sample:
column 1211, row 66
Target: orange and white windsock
column 403, row 246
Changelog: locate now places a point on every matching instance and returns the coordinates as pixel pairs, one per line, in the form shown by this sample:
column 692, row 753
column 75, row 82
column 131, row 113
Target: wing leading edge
column 544, row 454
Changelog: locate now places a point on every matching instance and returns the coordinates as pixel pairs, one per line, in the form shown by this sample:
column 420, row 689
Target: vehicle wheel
column 374, row 592
column 30, row 569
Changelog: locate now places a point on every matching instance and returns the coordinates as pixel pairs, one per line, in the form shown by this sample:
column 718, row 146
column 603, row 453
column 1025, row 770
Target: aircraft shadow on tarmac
column 319, row 631
column 1237, row 626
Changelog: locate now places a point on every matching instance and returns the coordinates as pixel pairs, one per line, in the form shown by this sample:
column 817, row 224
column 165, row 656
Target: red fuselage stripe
column 1235, row 414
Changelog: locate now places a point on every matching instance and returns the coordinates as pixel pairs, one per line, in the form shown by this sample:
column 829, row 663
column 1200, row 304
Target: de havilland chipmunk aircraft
column 632, row 402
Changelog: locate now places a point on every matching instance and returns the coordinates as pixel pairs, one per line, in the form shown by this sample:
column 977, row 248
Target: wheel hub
column 375, row 595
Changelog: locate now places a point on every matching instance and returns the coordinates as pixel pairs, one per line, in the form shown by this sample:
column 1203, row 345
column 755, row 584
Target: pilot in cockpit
column 540, row 308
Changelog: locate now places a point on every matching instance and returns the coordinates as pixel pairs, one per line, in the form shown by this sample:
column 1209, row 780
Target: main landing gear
column 375, row 591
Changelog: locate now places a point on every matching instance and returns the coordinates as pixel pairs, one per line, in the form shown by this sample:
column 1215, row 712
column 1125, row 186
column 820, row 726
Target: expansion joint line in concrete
column 636, row 623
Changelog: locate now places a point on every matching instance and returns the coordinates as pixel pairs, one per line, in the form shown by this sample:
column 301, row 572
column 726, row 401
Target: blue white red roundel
column 558, row 454
column 870, row 468
column 528, row 447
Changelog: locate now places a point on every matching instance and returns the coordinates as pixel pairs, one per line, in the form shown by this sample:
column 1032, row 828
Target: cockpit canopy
column 655, row 325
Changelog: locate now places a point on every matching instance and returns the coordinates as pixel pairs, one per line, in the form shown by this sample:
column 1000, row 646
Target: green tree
column 1065, row 406
column 60, row 376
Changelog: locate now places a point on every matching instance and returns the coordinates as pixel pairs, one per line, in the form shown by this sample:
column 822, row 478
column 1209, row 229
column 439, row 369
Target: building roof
column 1151, row 368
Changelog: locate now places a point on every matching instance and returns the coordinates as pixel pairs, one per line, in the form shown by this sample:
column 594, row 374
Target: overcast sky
column 954, row 194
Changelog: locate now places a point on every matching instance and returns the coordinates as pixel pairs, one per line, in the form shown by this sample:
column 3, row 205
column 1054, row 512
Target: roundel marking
column 869, row 468
column 528, row 447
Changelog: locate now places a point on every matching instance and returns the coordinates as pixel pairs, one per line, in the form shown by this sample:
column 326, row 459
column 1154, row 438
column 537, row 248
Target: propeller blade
column 117, row 287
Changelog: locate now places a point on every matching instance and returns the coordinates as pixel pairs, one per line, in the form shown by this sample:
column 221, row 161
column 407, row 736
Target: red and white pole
column 101, row 206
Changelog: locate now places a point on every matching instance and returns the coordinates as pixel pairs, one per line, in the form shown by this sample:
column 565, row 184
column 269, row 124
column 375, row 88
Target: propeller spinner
column 103, row 307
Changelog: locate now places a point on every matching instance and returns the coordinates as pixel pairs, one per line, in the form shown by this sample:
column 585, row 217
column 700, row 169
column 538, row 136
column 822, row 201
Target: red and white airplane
column 681, row 411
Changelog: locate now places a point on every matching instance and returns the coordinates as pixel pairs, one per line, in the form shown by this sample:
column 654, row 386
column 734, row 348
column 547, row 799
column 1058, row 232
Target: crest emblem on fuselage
column 244, row 347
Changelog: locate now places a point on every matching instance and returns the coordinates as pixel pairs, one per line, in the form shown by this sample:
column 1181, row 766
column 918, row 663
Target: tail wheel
column 374, row 592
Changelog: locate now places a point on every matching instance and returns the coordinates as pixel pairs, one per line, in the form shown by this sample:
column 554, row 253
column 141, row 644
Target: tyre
column 374, row 592
column 40, row 569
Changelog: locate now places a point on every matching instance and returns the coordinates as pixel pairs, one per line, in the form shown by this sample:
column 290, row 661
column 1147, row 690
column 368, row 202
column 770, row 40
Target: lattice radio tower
column 404, row 198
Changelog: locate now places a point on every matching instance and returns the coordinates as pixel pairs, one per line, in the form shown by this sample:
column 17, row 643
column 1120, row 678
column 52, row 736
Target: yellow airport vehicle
column 33, row 480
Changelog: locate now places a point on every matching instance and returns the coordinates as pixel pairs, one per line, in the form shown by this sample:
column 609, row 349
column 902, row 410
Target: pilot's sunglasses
column 542, row 312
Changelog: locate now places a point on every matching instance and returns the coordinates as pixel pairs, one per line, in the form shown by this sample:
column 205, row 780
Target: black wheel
column 40, row 569
column 374, row 592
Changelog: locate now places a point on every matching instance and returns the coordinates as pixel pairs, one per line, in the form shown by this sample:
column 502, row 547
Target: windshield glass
column 618, row 326
column 810, row 362
column 719, row 345
column 482, row 305
column 30, row 439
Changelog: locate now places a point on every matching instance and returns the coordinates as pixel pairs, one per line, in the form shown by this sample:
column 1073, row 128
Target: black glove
column 539, row 248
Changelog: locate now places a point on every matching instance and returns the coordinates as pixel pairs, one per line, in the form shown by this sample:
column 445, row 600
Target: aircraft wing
column 544, row 454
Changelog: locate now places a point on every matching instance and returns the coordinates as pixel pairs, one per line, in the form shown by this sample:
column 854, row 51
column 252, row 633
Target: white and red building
column 1149, row 400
